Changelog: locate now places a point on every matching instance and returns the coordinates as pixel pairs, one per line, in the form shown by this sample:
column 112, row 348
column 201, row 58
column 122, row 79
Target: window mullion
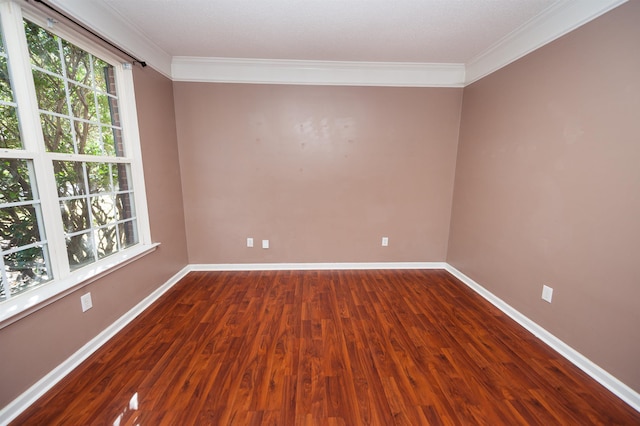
column 53, row 221
column 31, row 131
column 88, row 197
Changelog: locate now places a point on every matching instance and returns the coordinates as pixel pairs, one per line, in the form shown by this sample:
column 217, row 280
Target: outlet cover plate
column 85, row 301
column 547, row 293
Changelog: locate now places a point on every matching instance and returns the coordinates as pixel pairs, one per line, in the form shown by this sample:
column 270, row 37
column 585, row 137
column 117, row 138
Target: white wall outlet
column 85, row 301
column 385, row 241
column 547, row 293
column 265, row 244
column 249, row 242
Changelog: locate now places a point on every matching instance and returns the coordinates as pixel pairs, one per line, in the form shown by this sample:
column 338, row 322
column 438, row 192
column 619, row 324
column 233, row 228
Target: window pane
column 15, row 184
column 99, row 177
column 80, row 250
column 50, row 92
column 82, row 103
column 43, row 48
column 103, row 210
column 57, row 133
column 107, row 141
column 112, row 140
column 69, row 178
column 121, row 173
column 78, row 63
column 127, row 234
column 88, row 138
column 6, row 94
column 101, row 71
column 18, row 227
column 25, row 269
column 2, row 51
column 104, row 109
column 107, row 241
column 9, row 128
column 75, row 215
column 125, row 206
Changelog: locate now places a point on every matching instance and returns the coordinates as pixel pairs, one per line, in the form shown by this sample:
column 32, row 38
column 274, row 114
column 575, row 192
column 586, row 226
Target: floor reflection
column 129, row 411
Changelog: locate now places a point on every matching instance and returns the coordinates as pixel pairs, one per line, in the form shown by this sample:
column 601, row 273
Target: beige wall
column 322, row 172
column 36, row 344
column 548, row 189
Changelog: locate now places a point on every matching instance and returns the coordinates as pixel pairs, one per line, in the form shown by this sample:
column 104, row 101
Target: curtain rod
column 93, row 33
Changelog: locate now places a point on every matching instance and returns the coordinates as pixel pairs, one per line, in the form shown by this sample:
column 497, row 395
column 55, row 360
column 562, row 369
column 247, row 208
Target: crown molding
column 338, row 73
column 116, row 28
column 556, row 21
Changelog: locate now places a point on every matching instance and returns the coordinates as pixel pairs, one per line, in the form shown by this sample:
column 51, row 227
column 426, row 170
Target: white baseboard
column 623, row 391
column 32, row 394
column 18, row 405
column 314, row 266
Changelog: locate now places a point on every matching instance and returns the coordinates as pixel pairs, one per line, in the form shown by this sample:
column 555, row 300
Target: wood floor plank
column 325, row 348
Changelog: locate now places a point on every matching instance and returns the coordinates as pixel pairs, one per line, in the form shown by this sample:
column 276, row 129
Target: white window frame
column 65, row 281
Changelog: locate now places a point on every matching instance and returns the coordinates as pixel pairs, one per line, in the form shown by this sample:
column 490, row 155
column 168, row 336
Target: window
column 72, row 199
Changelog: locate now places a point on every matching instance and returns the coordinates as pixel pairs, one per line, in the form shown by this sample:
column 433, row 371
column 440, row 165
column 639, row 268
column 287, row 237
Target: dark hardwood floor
column 326, row 347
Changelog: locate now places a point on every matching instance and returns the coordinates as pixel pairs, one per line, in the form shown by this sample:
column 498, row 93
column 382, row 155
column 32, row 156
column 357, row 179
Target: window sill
column 24, row 304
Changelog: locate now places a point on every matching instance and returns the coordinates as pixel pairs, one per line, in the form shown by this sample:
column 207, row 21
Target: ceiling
column 425, row 31
column 370, row 42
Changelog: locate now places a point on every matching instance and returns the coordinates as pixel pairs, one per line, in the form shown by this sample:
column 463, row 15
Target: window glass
column 95, row 196
column 24, row 260
column 80, row 250
column 76, row 95
column 9, row 126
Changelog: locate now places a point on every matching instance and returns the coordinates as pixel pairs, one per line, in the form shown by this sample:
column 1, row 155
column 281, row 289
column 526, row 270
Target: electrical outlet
column 249, row 242
column 385, row 241
column 265, row 244
column 85, row 301
column 547, row 293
